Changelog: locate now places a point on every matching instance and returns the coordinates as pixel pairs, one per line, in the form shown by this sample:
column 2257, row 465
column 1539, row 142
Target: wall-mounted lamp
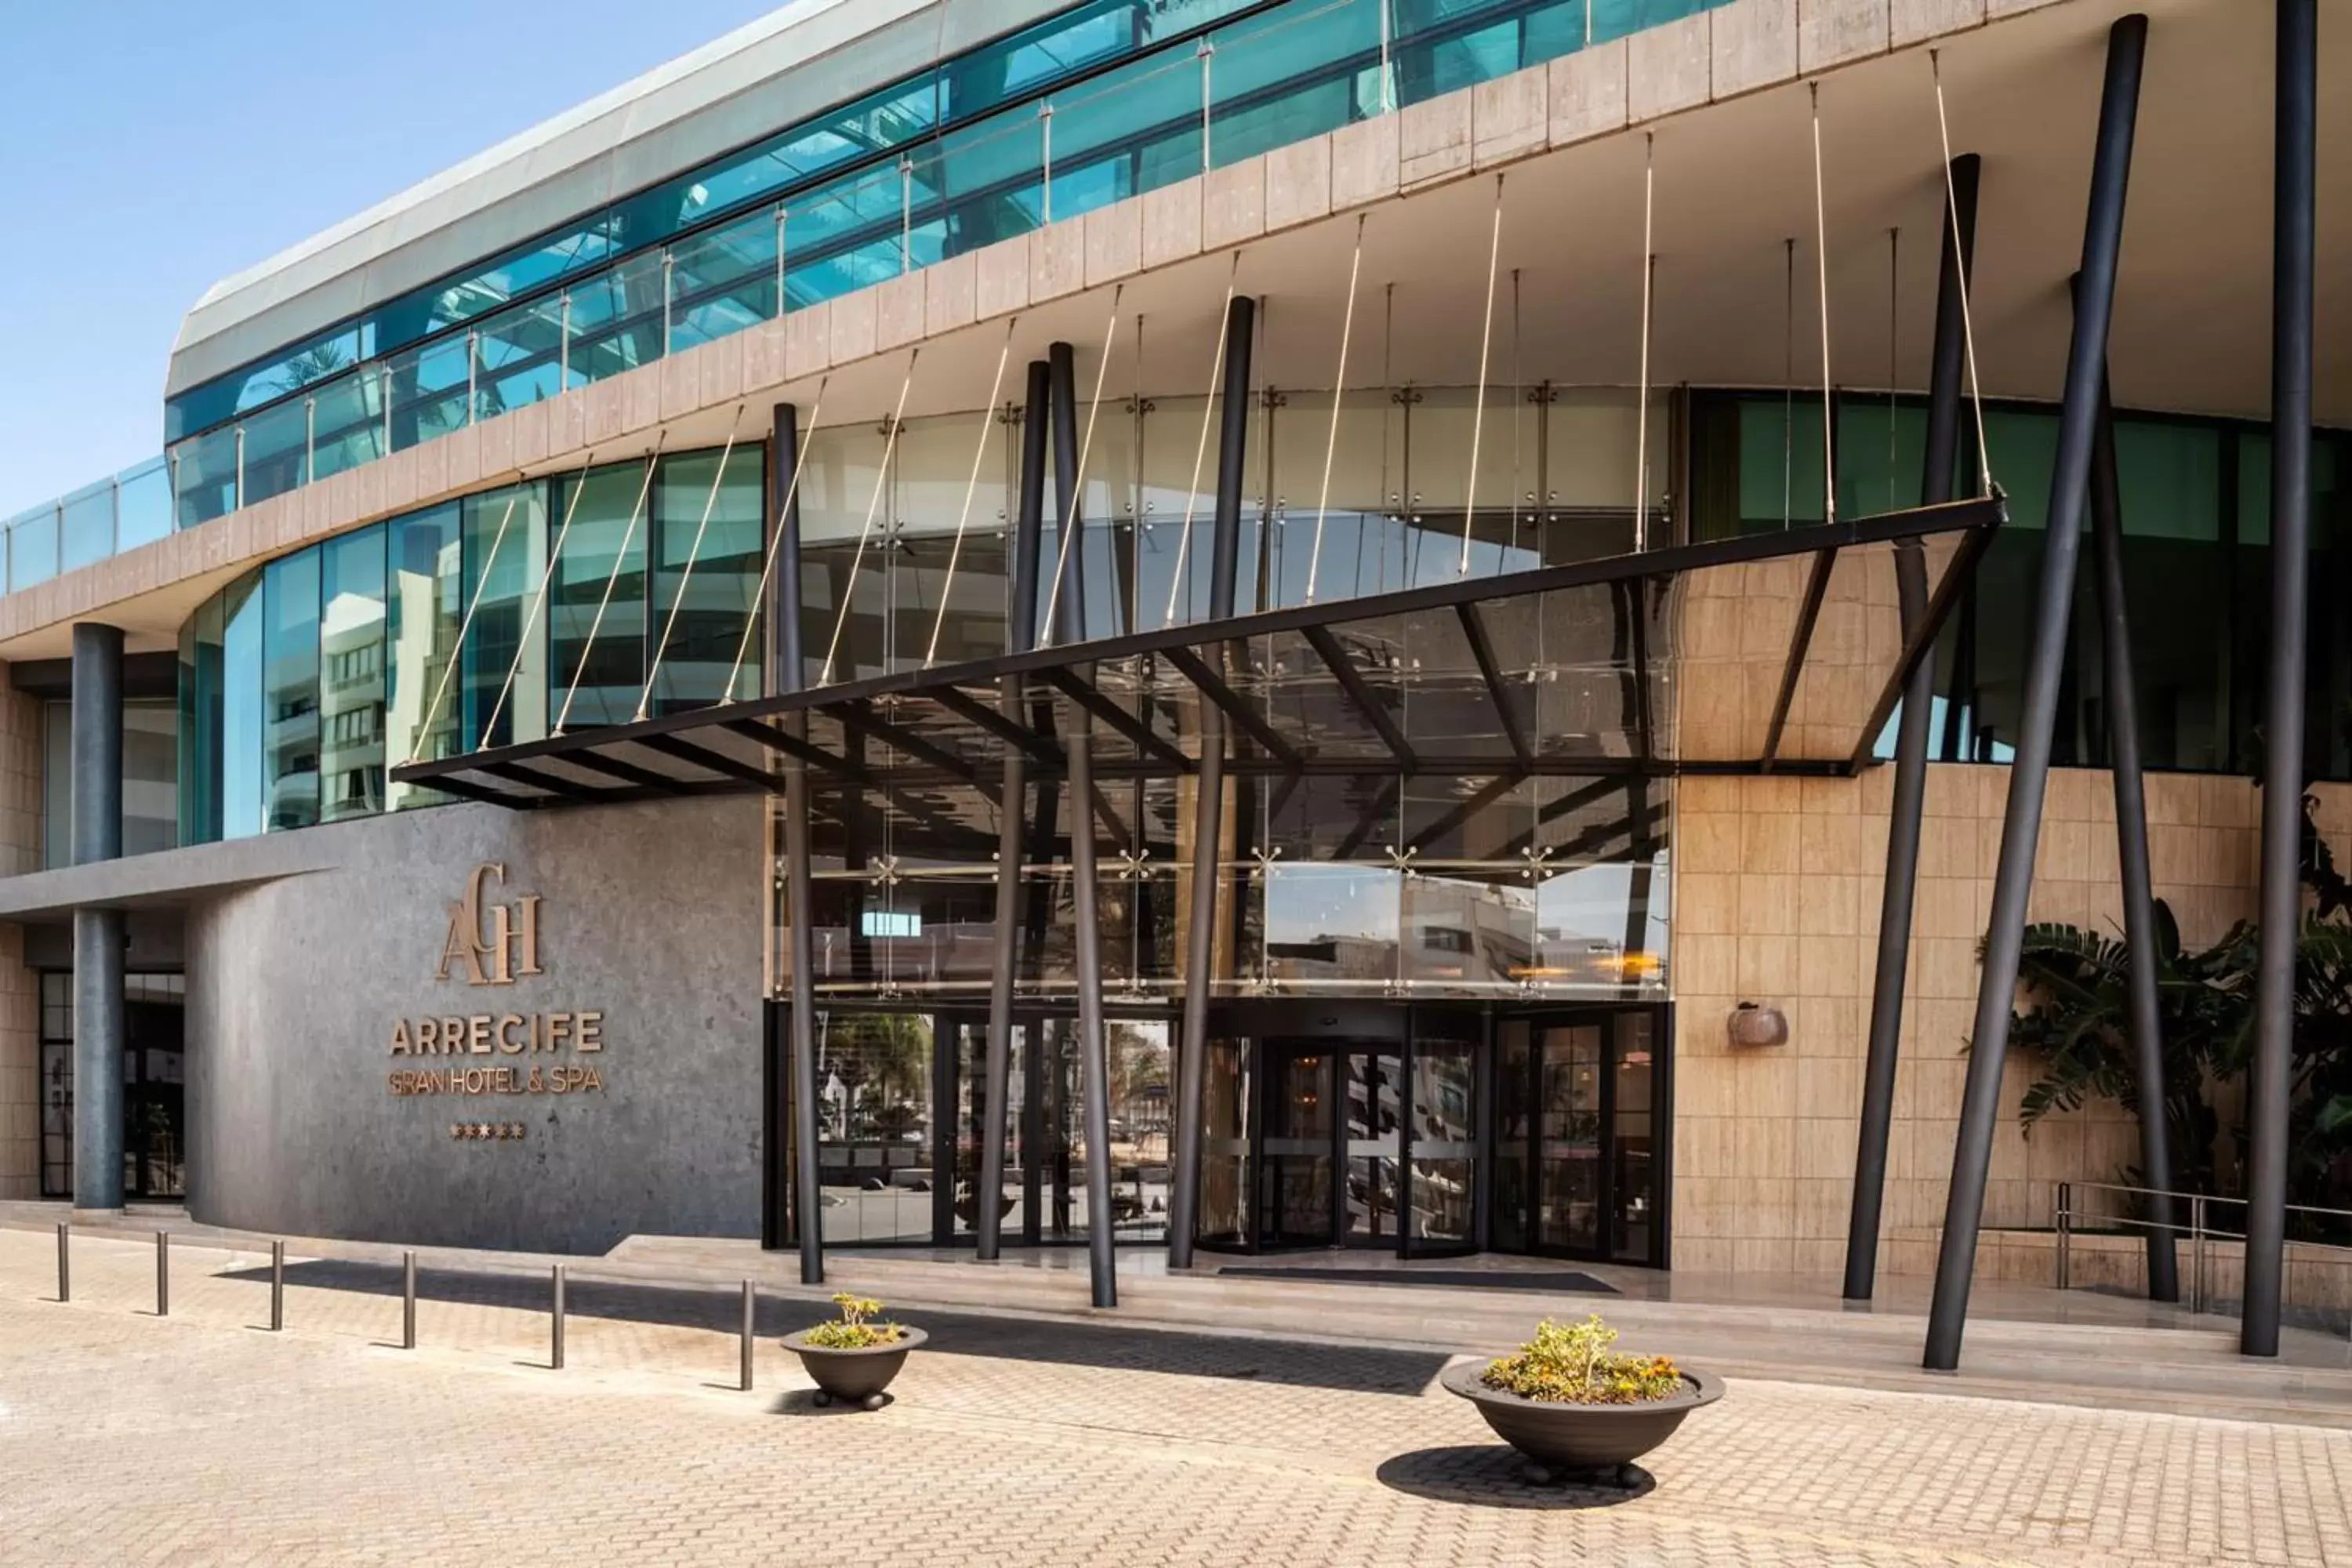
column 1758, row 1024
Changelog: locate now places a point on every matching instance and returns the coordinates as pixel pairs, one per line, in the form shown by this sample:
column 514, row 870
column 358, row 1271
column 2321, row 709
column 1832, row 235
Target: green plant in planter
column 856, row 1329
column 1572, row 1364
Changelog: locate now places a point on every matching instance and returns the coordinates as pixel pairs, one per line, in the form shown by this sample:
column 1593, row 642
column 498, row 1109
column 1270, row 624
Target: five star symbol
column 482, row 1130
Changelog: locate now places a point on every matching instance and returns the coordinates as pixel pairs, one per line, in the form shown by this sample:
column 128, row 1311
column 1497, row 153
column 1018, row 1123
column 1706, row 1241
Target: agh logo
column 495, row 941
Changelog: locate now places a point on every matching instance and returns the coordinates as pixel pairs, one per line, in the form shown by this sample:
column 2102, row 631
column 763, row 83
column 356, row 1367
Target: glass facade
column 303, row 682
column 150, row 737
column 1102, row 101
column 2195, row 503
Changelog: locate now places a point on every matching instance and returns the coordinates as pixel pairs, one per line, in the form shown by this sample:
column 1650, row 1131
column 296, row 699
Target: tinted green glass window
column 422, row 571
column 242, row 725
column 352, row 686
column 597, row 602
column 505, row 673
column 290, row 698
column 710, row 536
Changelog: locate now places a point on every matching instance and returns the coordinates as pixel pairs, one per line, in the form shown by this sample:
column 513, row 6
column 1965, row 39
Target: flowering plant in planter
column 856, row 1329
column 1572, row 1363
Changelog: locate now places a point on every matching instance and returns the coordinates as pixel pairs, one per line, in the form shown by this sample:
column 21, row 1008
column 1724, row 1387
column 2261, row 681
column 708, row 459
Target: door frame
column 1607, row 1015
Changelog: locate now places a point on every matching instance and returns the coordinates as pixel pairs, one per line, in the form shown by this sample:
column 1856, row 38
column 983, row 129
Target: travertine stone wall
column 20, row 851
column 1777, row 899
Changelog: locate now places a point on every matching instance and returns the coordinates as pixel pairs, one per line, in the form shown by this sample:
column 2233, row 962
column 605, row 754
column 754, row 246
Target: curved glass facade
column 1106, row 100
column 461, row 625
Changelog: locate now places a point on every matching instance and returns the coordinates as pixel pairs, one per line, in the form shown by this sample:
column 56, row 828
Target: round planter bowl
column 855, row 1377
column 1563, row 1438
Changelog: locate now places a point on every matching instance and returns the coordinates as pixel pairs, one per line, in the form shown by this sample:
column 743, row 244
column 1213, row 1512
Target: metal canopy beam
column 629, row 772
column 1000, row 723
column 1801, row 640
column 569, row 789
column 1482, row 648
column 1233, row 705
column 1351, row 680
column 1138, row 733
column 1186, row 650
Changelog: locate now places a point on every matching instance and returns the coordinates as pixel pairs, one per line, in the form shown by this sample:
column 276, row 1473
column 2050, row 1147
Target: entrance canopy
column 1772, row 652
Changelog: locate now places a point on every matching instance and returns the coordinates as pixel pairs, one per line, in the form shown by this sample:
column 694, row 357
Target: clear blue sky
column 149, row 148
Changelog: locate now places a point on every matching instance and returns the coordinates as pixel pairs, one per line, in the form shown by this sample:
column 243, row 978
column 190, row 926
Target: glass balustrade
column 1079, row 112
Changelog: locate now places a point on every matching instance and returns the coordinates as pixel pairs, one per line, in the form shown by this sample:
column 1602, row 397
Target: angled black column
column 2270, row 1085
column 2131, row 846
column 1943, row 389
column 776, row 1141
column 98, row 933
column 1078, row 725
column 791, row 674
column 1209, row 792
column 1020, row 634
column 2022, row 822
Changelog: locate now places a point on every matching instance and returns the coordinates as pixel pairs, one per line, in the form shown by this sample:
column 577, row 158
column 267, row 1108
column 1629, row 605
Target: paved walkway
column 199, row 1437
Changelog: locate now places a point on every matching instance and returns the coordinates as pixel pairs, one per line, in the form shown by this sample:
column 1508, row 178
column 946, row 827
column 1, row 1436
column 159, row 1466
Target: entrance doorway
column 1577, row 1135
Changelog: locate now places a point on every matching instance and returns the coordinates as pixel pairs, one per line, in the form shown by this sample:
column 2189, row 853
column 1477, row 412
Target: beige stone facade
column 20, row 851
column 1777, row 899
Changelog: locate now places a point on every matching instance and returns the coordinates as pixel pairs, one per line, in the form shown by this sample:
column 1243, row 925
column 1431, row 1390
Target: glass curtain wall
column 1102, row 103
column 2194, row 495
column 303, row 683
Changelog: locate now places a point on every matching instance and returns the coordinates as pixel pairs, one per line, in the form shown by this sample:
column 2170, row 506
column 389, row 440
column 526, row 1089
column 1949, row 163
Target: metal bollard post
column 64, row 1264
column 2065, row 1233
column 555, row 1340
column 408, row 1300
column 163, row 1273
column 2197, row 1253
column 277, row 1286
column 749, row 1302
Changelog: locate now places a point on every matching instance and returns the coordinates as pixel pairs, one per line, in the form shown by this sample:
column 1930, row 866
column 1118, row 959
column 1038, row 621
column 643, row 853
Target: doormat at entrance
column 1476, row 1278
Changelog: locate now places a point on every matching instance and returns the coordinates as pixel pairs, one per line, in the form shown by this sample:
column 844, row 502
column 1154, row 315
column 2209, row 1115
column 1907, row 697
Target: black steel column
column 1209, row 792
column 2131, row 846
column 775, row 1046
column 1020, row 634
column 1943, row 389
column 98, row 933
column 2022, row 822
column 2269, row 1086
column 1094, row 1046
column 791, row 674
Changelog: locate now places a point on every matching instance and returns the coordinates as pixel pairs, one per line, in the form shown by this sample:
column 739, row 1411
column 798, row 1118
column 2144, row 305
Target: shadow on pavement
column 1490, row 1475
column 718, row 1310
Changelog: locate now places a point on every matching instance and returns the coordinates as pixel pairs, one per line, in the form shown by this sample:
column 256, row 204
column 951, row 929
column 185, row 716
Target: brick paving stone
column 129, row 1440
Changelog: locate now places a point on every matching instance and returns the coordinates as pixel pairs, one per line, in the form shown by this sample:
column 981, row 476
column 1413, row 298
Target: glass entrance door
column 1373, row 1104
column 1577, row 1135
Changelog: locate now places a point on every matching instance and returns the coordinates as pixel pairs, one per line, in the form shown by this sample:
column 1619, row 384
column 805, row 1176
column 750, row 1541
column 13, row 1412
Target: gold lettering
column 400, row 1036
column 591, row 1032
column 477, row 1033
column 529, row 964
column 497, row 945
column 507, row 1042
column 453, row 1036
column 559, row 1025
column 428, row 1036
column 591, row 1079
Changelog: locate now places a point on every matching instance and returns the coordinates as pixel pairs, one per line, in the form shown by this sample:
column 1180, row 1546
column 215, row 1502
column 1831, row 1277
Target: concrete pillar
column 98, row 933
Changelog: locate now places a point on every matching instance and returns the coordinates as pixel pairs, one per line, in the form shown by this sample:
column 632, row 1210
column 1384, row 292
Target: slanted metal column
column 2131, row 846
column 1209, row 792
column 2270, row 1084
column 791, row 674
column 2022, row 822
column 1944, row 388
column 1094, row 1046
column 1020, row 635
column 98, row 933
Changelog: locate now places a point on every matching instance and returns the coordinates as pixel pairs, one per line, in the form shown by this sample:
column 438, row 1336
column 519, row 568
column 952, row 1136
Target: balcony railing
column 1280, row 74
